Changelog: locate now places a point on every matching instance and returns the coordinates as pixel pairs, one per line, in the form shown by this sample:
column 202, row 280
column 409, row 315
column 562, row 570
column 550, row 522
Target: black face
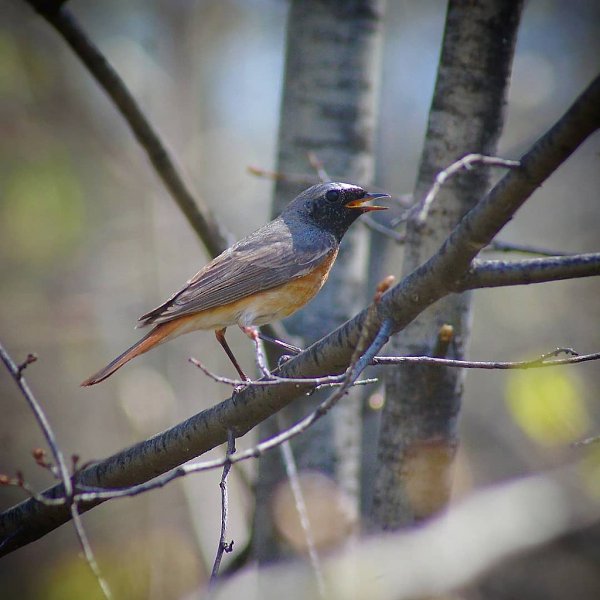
column 334, row 206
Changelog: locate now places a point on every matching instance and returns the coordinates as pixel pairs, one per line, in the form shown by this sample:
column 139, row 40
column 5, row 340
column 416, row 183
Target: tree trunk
column 419, row 438
column 329, row 105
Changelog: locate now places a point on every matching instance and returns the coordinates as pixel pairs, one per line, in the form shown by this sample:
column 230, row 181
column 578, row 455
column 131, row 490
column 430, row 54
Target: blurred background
column 89, row 240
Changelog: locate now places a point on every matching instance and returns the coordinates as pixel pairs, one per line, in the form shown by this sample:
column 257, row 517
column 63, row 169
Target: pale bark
column 418, row 437
column 329, row 108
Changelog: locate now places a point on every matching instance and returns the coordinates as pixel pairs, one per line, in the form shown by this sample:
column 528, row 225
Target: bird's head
column 333, row 206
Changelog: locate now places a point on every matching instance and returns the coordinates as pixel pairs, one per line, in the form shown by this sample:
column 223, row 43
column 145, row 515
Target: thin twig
column 358, row 382
column 21, row 483
column 16, row 372
column 198, row 214
column 291, row 471
column 463, row 164
column 319, row 166
column 586, row 441
column 87, row 549
column 31, row 358
column 301, row 179
column 546, row 360
column 327, row 380
column 371, row 223
column 223, row 545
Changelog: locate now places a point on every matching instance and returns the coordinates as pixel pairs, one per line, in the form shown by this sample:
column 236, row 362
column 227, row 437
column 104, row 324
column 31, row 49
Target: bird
column 264, row 277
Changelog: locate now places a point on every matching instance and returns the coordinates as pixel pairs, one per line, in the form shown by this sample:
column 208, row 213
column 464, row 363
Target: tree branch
column 332, row 354
column 89, row 494
column 497, row 273
column 198, row 214
column 465, row 163
column 480, row 225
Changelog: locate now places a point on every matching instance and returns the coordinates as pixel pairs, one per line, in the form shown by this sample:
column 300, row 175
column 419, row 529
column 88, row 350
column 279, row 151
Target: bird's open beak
column 360, row 203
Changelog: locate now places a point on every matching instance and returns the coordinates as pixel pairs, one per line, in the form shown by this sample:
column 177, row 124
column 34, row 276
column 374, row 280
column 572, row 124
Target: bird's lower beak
column 360, row 204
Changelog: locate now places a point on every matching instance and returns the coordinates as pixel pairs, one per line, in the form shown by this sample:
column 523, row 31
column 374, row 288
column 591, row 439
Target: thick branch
column 332, row 354
column 498, row 273
column 87, row 494
column 197, row 213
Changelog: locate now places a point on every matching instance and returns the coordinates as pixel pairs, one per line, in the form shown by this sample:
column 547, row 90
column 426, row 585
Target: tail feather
column 153, row 338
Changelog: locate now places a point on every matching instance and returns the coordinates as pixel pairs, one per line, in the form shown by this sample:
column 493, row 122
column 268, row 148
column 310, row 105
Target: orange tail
column 153, row 338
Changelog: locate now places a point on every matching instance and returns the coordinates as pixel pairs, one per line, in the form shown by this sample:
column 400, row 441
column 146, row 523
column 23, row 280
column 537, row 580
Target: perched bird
column 264, row 277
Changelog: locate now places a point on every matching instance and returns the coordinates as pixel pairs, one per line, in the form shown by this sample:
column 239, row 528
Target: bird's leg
column 251, row 332
column 220, row 335
column 254, row 335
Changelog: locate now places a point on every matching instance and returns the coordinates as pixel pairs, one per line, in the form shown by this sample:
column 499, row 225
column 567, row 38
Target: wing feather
column 265, row 259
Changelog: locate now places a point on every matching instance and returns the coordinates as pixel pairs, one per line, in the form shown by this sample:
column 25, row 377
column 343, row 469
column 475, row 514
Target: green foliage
column 42, row 212
column 161, row 564
column 547, row 405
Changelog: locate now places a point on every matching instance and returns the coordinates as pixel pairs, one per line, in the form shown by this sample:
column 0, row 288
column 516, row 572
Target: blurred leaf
column 161, row 564
column 42, row 211
column 546, row 405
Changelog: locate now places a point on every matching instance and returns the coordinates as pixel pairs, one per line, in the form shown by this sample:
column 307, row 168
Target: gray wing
column 265, row 259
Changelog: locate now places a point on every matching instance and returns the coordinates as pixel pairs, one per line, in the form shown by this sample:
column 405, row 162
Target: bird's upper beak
column 360, row 203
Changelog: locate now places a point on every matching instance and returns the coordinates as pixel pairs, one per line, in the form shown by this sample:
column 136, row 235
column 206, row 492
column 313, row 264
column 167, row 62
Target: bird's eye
column 332, row 196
